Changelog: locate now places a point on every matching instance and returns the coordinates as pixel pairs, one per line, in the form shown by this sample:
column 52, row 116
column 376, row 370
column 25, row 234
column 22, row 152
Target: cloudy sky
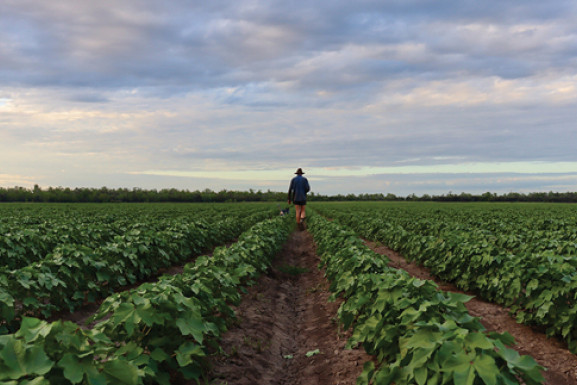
column 392, row 96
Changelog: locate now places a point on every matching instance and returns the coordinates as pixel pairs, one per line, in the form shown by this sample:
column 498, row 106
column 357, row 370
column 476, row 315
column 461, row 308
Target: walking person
column 298, row 189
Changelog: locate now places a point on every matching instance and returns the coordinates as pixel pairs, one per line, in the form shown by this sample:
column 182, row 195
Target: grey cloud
column 207, row 45
column 89, row 98
column 431, row 135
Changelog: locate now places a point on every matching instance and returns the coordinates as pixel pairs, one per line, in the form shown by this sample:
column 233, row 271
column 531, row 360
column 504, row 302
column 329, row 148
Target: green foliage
column 179, row 317
column 146, row 334
column 73, row 274
column 523, row 257
column 62, row 353
column 419, row 335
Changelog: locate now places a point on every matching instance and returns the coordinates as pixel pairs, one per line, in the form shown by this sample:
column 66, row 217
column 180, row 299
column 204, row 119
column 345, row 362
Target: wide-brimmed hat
column 299, row 171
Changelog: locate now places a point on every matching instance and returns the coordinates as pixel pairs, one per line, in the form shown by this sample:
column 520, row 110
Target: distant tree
column 391, row 197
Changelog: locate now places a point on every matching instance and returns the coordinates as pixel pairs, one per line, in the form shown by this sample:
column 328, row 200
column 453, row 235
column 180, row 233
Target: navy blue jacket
column 298, row 189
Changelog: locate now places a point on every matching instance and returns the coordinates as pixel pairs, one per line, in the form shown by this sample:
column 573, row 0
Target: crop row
column 519, row 229
column 539, row 284
column 148, row 335
column 25, row 239
column 417, row 333
column 74, row 274
column 21, row 246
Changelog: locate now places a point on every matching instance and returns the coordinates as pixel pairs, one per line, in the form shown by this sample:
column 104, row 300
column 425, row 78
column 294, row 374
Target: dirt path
column 282, row 318
column 548, row 352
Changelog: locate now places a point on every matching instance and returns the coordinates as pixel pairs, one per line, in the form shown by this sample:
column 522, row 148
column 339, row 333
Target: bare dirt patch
column 287, row 331
column 548, row 352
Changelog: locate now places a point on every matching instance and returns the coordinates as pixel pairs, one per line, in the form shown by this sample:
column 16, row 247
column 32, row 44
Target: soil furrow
column 548, row 352
column 287, row 332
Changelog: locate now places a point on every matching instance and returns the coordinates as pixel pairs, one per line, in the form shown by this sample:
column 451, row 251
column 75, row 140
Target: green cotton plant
column 7, row 312
column 22, row 244
column 148, row 334
column 180, row 317
column 517, row 259
column 73, row 274
column 418, row 334
column 160, row 319
column 62, row 353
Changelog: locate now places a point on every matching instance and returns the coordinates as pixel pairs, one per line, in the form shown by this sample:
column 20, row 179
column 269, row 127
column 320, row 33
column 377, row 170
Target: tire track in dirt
column 548, row 352
column 282, row 318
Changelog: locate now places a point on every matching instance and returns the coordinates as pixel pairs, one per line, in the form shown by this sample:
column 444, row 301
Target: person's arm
column 307, row 187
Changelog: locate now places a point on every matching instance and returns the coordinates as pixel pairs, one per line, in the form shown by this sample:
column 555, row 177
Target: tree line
column 109, row 195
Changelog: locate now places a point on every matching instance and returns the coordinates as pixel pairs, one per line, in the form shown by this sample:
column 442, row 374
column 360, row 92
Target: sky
column 388, row 96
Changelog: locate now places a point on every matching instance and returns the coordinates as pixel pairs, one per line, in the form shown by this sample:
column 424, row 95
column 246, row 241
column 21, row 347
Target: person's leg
column 303, row 212
column 298, row 209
